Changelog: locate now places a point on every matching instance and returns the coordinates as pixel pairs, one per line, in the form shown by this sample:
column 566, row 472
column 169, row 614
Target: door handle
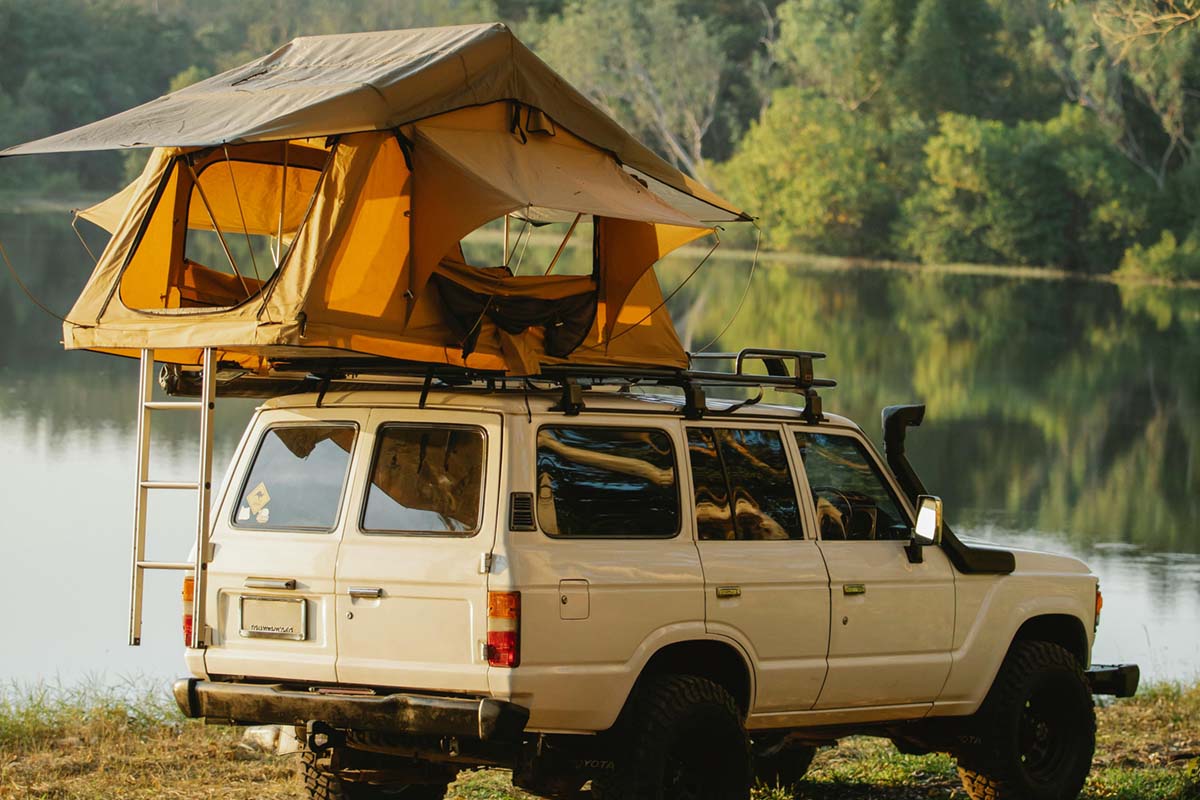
column 729, row 592
column 854, row 588
column 366, row 592
column 270, row 583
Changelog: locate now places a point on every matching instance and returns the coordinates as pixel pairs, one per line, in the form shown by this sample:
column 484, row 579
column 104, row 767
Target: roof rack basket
column 785, row 370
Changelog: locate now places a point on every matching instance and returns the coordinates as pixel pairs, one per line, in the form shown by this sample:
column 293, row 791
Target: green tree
column 653, row 69
column 994, row 194
column 951, row 62
column 891, row 57
column 817, row 174
column 1031, row 193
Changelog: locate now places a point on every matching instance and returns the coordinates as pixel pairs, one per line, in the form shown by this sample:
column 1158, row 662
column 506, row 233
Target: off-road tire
column 683, row 739
column 784, row 768
column 321, row 784
column 1035, row 735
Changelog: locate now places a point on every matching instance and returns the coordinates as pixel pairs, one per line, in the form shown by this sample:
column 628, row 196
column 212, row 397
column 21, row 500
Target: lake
column 1062, row 416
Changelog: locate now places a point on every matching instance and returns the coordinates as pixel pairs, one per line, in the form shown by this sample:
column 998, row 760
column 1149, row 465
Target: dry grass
column 104, row 745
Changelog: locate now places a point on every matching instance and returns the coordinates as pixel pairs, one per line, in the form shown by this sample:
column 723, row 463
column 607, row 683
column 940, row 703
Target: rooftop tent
column 313, row 203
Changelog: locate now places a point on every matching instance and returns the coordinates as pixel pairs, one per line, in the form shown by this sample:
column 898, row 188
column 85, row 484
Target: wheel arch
column 1065, row 630
column 721, row 662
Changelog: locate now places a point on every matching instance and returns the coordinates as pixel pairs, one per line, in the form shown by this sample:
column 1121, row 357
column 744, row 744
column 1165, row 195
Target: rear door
column 411, row 592
column 765, row 584
column 275, row 537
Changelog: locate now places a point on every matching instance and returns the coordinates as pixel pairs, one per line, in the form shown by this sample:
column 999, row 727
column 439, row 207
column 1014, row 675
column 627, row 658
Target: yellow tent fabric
column 470, row 169
column 355, row 218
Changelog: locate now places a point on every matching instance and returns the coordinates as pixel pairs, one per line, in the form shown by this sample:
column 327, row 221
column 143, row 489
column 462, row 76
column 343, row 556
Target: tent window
column 241, row 217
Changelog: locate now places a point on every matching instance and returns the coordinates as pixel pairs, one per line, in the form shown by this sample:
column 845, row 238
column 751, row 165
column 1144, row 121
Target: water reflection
column 1061, row 415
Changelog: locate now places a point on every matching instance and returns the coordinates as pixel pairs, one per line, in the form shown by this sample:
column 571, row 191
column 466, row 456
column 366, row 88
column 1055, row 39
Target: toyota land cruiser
column 583, row 581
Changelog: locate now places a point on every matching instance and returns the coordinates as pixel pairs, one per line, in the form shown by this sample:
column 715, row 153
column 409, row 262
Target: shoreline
column 810, row 261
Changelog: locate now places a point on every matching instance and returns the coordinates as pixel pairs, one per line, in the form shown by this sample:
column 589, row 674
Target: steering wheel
column 840, row 504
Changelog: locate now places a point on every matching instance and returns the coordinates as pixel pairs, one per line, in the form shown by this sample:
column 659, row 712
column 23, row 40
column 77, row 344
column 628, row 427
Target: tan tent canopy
column 317, row 86
column 284, row 231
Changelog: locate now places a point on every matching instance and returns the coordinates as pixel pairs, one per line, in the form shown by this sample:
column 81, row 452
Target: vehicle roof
column 608, row 398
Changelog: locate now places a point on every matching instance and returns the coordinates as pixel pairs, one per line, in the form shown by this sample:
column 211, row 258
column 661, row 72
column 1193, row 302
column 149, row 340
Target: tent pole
column 563, row 246
column 245, row 229
column 278, row 250
column 506, row 218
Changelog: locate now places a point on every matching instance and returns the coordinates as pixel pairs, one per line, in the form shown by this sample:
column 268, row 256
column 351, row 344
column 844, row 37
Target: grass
column 103, row 744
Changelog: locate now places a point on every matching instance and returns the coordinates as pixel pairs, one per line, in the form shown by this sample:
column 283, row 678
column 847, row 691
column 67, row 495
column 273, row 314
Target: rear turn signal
column 1099, row 606
column 189, row 586
column 504, row 629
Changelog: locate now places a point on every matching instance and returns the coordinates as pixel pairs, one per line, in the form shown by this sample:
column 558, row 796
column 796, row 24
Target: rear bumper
column 415, row 714
column 1120, row 680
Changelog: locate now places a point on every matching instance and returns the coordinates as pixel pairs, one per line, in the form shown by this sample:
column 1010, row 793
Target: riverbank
column 87, row 745
column 548, row 242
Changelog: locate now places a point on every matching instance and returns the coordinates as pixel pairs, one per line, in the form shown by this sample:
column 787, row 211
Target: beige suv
column 583, row 580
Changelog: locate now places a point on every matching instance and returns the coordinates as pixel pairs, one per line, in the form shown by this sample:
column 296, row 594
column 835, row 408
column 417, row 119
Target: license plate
column 273, row 618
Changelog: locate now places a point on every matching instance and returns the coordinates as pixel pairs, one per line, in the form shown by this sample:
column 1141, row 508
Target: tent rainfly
column 312, row 204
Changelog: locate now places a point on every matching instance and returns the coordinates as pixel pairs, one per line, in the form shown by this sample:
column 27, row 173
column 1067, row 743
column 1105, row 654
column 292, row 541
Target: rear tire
column 1036, row 731
column 322, row 784
column 685, row 740
column 777, row 764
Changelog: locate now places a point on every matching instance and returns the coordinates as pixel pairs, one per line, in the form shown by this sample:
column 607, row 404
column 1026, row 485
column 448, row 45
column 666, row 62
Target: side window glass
column 297, row 478
column 425, row 480
column 713, row 518
column 606, row 482
column 853, row 500
column 745, row 470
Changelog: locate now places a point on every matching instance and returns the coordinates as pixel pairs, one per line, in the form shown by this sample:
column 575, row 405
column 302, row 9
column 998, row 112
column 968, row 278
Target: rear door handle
column 729, row 592
column 270, row 583
column 854, row 588
column 366, row 592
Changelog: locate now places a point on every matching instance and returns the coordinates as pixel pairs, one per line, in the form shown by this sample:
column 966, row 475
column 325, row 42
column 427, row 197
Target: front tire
column 1036, row 731
column 686, row 740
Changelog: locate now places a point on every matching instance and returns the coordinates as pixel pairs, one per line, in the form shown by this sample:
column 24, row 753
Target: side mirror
column 928, row 530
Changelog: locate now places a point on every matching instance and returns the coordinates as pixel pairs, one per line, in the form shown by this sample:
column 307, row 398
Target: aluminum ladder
column 202, row 486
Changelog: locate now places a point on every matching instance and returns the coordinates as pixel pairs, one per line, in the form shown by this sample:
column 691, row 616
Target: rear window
column 606, row 482
column 297, row 478
column 425, row 480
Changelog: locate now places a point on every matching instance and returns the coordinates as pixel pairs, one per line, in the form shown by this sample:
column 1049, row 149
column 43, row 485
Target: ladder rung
column 187, row 565
column 174, row 405
column 170, row 485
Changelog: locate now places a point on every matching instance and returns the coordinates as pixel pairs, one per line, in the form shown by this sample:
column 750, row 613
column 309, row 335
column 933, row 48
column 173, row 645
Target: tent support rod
column 212, row 218
column 563, row 246
column 242, row 214
column 282, row 205
column 506, row 219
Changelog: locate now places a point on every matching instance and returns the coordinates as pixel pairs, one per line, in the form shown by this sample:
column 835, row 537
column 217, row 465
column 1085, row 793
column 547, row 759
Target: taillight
column 1099, row 606
column 504, row 629
column 189, row 588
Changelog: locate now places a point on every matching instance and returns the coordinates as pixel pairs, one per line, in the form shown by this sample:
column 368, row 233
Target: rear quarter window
column 595, row 482
column 426, row 479
column 297, row 478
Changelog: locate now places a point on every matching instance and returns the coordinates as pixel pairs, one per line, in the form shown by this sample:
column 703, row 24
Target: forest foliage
column 1038, row 132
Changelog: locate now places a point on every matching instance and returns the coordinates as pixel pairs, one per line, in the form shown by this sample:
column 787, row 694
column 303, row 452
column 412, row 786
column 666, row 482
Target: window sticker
column 258, row 498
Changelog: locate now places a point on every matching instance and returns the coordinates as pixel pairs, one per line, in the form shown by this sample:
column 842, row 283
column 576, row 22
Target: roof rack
column 786, row 371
